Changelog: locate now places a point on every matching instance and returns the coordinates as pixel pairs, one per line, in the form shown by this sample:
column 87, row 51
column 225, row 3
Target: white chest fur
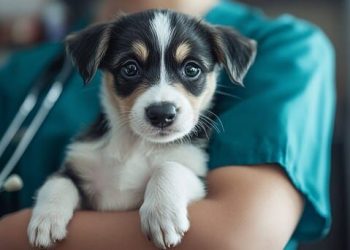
column 116, row 168
column 114, row 176
column 115, row 172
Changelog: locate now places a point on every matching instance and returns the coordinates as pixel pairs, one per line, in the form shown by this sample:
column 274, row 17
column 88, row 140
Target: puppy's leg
column 164, row 211
column 57, row 199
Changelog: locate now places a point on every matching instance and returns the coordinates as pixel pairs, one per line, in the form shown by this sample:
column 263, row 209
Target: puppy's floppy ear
column 234, row 51
column 88, row 47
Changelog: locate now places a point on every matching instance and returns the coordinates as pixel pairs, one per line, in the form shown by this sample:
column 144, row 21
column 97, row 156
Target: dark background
column 27, row 22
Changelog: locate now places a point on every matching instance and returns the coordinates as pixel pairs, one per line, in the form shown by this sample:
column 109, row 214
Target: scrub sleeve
column 284, row 114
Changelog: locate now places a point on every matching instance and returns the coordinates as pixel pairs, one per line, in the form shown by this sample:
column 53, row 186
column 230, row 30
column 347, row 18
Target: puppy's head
column 160, row 68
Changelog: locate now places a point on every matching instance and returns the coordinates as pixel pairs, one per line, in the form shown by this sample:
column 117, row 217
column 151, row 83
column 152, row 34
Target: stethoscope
column 11, row 183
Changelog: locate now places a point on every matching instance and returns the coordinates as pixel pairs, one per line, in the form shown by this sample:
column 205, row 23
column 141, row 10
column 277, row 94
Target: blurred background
column 24, row 23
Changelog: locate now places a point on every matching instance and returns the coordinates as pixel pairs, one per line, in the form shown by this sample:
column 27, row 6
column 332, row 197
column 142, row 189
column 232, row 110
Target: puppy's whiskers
column 218, row 118
column 219, row 92
column 209, row 123
column 202, row 127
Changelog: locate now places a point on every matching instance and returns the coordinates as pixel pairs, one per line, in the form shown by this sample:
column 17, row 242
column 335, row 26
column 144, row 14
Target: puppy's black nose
column 161, row 114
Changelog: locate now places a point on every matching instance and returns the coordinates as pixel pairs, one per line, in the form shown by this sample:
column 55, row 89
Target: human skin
column 247, row 207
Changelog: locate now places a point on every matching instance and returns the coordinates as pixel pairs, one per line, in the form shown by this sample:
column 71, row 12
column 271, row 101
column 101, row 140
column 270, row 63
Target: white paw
column 165, row 225
column 47, row 227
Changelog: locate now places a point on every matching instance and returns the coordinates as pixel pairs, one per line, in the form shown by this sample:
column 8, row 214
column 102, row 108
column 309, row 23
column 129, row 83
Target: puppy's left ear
column 88, row 47
column 234, row 51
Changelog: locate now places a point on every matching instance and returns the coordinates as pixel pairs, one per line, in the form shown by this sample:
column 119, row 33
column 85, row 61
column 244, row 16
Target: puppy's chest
column 116, row 182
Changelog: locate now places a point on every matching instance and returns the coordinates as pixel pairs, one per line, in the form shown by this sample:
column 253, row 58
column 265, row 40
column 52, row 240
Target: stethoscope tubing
column 27, row 106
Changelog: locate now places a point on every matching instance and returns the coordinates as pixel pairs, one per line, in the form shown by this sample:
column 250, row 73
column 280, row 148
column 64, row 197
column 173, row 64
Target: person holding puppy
column 267, row 188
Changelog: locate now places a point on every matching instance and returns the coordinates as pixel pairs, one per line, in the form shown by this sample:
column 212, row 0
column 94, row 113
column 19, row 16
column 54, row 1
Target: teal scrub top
column 284, row 114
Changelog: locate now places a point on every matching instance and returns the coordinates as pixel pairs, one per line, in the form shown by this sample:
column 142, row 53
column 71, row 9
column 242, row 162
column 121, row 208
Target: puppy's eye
column 129, row 70
column 192, row 70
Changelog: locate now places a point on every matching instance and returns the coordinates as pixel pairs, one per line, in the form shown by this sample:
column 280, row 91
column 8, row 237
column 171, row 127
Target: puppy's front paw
column 45, row 228
column 164, row 224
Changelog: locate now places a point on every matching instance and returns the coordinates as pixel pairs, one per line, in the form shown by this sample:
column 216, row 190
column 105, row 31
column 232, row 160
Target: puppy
column 144, row 151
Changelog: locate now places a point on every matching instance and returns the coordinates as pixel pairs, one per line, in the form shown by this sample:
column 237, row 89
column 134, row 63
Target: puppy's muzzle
column 162, row 114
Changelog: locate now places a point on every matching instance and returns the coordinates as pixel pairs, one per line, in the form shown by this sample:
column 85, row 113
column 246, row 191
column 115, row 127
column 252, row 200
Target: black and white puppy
column 160, row 71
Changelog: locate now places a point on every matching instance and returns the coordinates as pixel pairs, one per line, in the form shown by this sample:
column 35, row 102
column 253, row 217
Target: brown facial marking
column 110, row 90
column 203, row 101
column 123, row 105
column 182, row 52
column 208, row 94
column 140, row 50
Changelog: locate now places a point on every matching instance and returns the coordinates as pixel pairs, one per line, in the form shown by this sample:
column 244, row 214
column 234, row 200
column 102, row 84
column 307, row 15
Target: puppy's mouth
column 166, row 132
column 162, row 135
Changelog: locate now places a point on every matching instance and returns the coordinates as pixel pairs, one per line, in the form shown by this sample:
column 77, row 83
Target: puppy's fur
column 143, row 152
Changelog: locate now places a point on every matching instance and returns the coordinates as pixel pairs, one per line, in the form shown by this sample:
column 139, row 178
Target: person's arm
column 250, row 207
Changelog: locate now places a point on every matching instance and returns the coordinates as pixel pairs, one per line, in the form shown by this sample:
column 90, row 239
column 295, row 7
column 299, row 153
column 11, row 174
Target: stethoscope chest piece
column 12, row 184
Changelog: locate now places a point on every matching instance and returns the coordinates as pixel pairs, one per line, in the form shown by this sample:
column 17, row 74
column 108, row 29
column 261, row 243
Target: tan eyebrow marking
column 201, row 102
column 141, row 50
column 125, row 104
column 182, row 52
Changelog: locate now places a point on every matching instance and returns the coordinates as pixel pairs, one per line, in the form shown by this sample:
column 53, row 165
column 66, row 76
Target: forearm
column 94, row 230
column 247, row 208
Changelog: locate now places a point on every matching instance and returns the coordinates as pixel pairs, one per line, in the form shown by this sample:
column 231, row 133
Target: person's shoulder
column 253, row 22
column 231, row 13
column 26, row 63
column 281, row 35
column 34, row 54
column 22, row 66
